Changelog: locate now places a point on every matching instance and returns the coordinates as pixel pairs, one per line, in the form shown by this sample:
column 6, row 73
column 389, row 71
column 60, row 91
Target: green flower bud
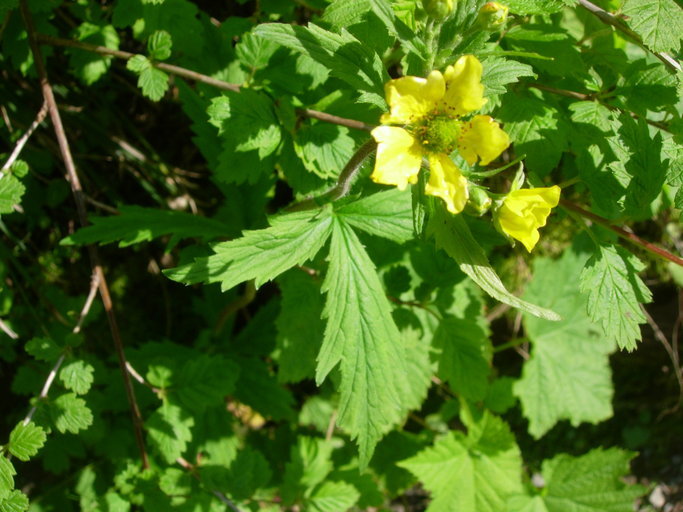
column 492, row 15
column 438, row 9
column 479, row 202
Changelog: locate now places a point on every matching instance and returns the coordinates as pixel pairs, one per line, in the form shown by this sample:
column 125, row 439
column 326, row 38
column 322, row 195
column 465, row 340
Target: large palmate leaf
column 474, row 472
column 568, row 375
column 362, row 336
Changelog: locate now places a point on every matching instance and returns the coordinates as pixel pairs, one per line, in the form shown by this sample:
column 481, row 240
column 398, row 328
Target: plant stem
column 197, row 77
column 77, row 191
column 612, row 20
column 343, row 186
column 40, row 117
column 629, row 237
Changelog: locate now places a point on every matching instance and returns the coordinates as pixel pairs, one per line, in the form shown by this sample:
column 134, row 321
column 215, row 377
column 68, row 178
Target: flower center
column 439, row 133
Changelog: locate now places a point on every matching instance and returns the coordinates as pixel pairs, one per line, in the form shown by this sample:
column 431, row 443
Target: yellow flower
column 428, row 112
column 524, row 211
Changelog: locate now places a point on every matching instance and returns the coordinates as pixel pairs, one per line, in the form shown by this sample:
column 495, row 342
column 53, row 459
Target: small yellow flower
column 428, row 112
column 524, row 211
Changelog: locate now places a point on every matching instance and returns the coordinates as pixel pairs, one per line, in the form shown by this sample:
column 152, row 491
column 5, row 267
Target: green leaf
column 136, row 224
column 204, row 381
column 159, row 45
column 299, row 326
column 474, row 472
column 499, row 72
column 568, row 375
column 463, row 361
column 7, row 473
column 324, row 148
column 88, row 66
column 258, row 388
column 383, row 10
column 453, row 236
column 77, row 376
column 11, row 191
column 43, row 349
column 70, row 413
column 387, row 214
column 615, row 293
column 658, row 22
column 591, row 113
column 536, row 130
column 249, row 131
column 169, row 431
column 346, row 57
column 309, row 464
column 26, row 440
column 16, row 501
column 537, row 6
column 138, row 63
column 153, row 82
column 333, row 497
column 362, row 336
column 255, row 52
column 594, row 481
column 261, row 255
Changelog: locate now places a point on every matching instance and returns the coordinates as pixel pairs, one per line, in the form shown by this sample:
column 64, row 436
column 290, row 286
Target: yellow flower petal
column 464, row 90
column 410, row 98
column 447, row 182
column 524, row 211
column 482, row 138
column 399, row 157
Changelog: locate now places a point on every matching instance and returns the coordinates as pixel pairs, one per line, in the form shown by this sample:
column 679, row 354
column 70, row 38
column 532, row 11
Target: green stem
column 510, row 344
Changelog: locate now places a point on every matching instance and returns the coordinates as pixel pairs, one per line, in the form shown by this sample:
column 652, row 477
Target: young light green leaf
column 453, row 236
column 261, row 255
column 324, row 148
column 346, row 57
column 463, row 361
column 138, row 63
column 537, row 6
column 153, row 82
column 70, row 413
column 333, row 497
column 16, row 501
column 658, row 22
column 362, row 336
column 11, row 191
column 77, row 376
column 136, row 224
column 26, row 440
column 474, row 472
column 568, row 375
column 387, row 214
column 159, row 45
column 591, row 113
column 615, row 292
column 169, row 431
column 7, row 473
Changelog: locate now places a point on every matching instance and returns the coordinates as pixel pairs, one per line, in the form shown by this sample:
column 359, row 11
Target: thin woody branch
column 611, row 19
column 197, row 77
column 622, row 233
column 77, row 191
